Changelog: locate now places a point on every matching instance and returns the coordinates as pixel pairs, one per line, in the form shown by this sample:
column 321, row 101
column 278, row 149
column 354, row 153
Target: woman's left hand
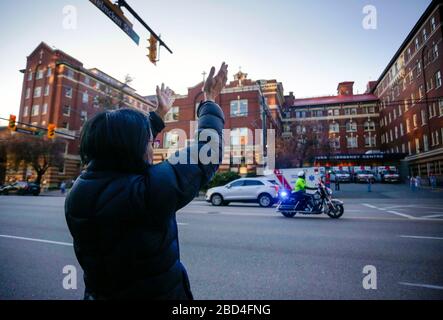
column 165, row 100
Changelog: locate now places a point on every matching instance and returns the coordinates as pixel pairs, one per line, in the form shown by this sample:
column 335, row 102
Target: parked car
column 390, row 176
column 20, row 188
column 256, row 190
column 341, row 176
column 364, row 175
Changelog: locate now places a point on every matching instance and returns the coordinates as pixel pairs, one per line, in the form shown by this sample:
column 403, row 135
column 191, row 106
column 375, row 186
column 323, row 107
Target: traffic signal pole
column 124, row 4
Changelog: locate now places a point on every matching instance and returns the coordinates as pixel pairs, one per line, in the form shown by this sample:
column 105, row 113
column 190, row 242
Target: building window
column 334, row 127
column 30, row 75
column 370, row 141
column 435, row 51
column 406, row 105
column 39, row 75
column 425, row 35
column 335, row 142
column 351, row 126
column 28, row 93
column 87, row 80
column 45, row 108
column 48, row 72
column 420, row 92
column 67, row 111
column 300, row 114
column 70, row 73
column 68, row 92
column 85, row 97
column 65, row 125
column 417, row 44
column 350, row 111
column 37, row 92
column 408, row 126
column 369, row 126
column 47, row 90
column 35, row 110
column 402, row 132
column 433, row 25
column 424, row 121
column 414, row 120
column 352, row 142
column 239, row 108
column 438, row 79
column 84, row 116
column 425, row 143
column 440, row 106
column 172, row 115
column 239, row 136
column 396, row 132
column 399, row 110
column 171, row 140
column 26, row 111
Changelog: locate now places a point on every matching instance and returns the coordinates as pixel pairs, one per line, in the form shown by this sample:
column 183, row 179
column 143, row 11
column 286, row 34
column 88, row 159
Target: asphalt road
column 246, row 252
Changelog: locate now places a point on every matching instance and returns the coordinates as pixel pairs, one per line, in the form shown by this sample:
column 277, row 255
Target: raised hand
column 214, row 85
column 165, row 100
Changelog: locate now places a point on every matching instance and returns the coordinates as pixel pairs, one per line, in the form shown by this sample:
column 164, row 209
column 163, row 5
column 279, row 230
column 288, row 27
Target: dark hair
column 115, row 141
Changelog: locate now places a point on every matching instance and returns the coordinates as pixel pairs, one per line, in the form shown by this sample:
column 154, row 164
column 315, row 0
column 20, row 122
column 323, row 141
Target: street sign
column 111, row 11
column 28, row 131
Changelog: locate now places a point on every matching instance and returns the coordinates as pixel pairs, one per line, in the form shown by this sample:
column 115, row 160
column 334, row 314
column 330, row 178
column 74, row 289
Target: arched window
column 369, row 126
column 351, row 126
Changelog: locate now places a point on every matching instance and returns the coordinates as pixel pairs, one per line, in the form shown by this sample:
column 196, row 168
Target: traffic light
column 153, row 49
column 51, row 131
column 12, row 125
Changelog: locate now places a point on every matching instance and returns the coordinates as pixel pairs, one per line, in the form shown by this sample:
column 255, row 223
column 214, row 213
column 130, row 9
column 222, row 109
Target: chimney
column 371, row 86
column 345, row 88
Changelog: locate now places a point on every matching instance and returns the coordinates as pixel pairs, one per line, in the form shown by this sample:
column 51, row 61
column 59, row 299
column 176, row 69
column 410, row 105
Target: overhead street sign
column 112, row 12
column 28, row 131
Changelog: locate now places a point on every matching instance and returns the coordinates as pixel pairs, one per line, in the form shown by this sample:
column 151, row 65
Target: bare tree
column 115, row 98
column 308, row 141
column 39, row 153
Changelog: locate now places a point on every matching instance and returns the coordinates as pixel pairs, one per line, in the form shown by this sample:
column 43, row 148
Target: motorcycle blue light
column 283, row 194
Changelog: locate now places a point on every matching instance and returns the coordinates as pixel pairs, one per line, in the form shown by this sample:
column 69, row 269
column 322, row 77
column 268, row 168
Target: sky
column 309, row 46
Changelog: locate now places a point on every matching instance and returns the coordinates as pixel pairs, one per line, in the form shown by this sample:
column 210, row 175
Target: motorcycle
column 321, row 202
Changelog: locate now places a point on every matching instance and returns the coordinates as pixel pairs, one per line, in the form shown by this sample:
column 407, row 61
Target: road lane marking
column 428, row 286
column 37, row 240
column 422, row 237
column 390, row 211
column 433, row 216
column 401, row 214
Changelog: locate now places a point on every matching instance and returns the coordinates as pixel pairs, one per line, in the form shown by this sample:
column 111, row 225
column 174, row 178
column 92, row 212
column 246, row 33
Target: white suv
column 260, row 190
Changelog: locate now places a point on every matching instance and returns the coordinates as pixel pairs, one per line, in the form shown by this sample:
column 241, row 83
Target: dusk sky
column 309, row 46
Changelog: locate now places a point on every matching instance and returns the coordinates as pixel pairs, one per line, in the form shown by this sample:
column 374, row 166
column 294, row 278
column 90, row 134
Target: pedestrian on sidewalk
column 369, row 181
column 412, row 183
column 121, row 211
column 63, row 187
column 417, row 183
column 337, row 184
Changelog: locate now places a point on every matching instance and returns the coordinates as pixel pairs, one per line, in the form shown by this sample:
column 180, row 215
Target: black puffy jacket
column 124, row 224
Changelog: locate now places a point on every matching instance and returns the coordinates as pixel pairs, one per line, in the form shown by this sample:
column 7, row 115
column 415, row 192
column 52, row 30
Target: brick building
column 350, row 122
column 241, row 103
column 411, row 101
column 58, row 89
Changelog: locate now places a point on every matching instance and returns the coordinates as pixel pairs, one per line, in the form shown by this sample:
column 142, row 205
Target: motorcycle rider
column 300, row 191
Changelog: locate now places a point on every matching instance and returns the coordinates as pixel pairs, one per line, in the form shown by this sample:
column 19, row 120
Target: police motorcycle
column 321, row 202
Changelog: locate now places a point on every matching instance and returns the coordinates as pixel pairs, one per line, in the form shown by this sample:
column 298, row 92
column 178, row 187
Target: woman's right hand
column 214, row 85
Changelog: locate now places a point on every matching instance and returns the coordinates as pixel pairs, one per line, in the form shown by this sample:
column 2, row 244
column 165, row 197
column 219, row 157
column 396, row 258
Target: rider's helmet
column 301, row 174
